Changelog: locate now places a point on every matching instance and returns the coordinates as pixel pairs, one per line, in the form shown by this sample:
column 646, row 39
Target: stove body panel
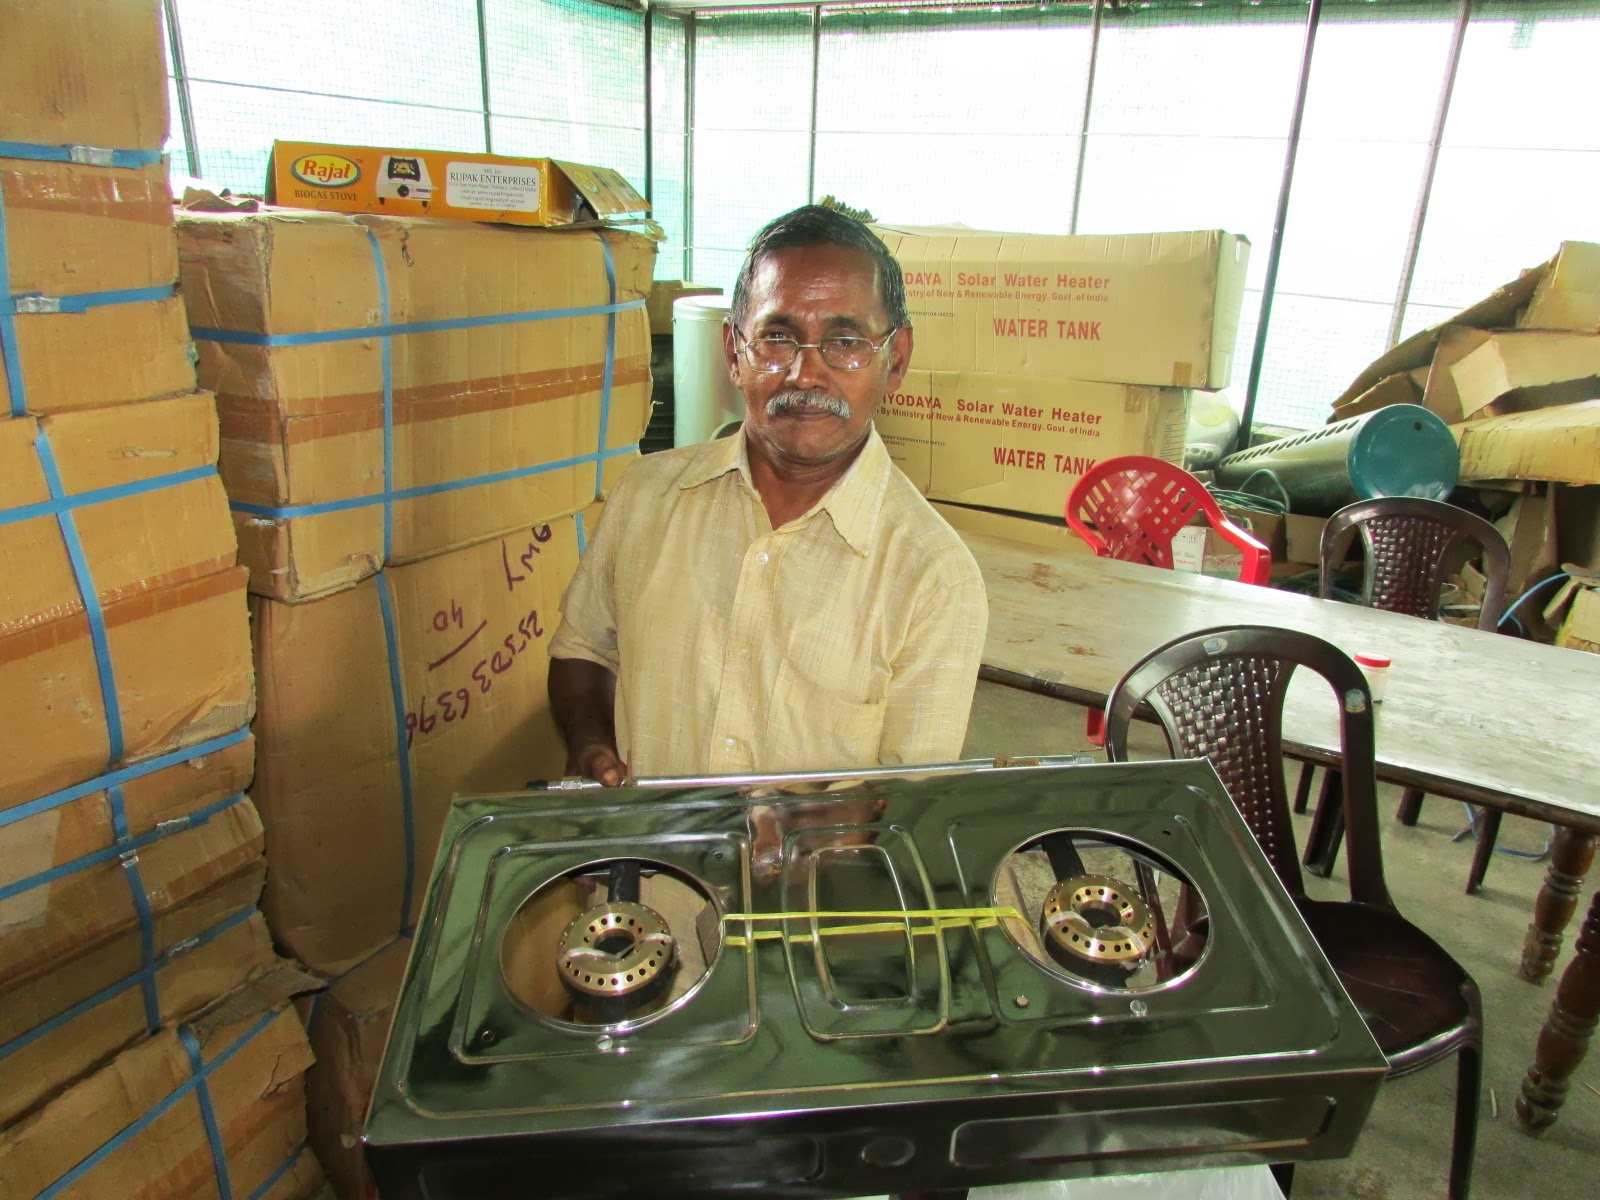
column 923, row 1043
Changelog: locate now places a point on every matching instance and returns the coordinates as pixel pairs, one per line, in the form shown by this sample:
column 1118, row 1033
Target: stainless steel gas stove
column 823, row 987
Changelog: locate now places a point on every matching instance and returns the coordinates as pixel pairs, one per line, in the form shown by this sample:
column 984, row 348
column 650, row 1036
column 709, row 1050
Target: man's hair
column 813, row 225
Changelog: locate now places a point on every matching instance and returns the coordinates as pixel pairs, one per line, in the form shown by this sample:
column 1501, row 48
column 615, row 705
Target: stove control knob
column 888, row 1151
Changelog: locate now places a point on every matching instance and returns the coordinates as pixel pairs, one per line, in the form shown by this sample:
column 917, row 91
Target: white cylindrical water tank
column 705, row 399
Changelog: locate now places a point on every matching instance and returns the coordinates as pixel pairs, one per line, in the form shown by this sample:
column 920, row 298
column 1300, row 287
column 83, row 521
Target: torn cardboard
column 471, row 631
column 83, row 72
column 1020, row 443
column 80, row 910
column 133, row 544
column 1561, row 444
column 180, row 657
column 1391, row 389
column 463, row 186
column 1567, row 295
column 185, row 983
column 348, row 1033
column 256, row 1092
column 1159, row 309
column 1577, row 606
column 1492, row 374
column 520, row 401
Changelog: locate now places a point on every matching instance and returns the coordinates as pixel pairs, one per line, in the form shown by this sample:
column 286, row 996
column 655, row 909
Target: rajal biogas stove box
column 802, row 987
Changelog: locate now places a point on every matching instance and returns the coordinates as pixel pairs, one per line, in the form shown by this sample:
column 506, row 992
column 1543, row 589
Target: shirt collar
column 853, row 504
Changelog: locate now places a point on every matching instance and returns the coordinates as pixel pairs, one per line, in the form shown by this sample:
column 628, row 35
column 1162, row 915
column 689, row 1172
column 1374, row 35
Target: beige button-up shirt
column 850, row 637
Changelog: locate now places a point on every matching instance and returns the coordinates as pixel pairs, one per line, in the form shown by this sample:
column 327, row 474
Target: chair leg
column 1463, row 1146
column 1327, row 827
column 1410, row 806
column 1302, row 790
column 1488, row 830
column 1094, row 727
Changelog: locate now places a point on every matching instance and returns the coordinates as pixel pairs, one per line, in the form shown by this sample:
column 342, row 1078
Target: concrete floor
column 1404, row 1150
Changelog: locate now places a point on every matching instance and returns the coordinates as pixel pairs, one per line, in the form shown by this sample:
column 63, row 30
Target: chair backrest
column 1219, row 695
column 1129, row 508
column 1408, row 545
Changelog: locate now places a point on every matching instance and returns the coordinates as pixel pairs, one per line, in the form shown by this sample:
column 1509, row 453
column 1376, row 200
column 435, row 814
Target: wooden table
column 1492, row 720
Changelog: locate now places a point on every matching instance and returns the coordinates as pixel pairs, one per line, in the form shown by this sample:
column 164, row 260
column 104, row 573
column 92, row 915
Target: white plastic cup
column 1376, row 668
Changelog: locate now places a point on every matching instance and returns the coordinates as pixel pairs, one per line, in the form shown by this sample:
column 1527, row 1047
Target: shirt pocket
column 818, row 724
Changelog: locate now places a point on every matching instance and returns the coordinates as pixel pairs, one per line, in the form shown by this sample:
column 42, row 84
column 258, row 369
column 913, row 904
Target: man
column 782, row 599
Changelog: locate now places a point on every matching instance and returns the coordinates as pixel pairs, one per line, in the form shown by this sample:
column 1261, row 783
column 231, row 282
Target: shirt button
column 762, row 558
column 730, row 743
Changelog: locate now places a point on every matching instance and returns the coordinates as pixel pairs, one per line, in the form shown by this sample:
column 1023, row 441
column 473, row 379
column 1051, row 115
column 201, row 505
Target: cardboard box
column 1567, row 295
column 1561, row 444
column 471, row 632
column 663, row 293
column 1529, row 529
column 1391, row 389
column 302, row 424
column 180, row 657
column 444, row 183
column 225, row 956
column 138, row 543
column 1492, row 374
column 1302, row 538
column 1020, row 443
column 1580, row 628
column 255, row 1087
column 348, row 1031
column 82, row 911
column 84, row 72
column 73, row 229
column 1158, row 308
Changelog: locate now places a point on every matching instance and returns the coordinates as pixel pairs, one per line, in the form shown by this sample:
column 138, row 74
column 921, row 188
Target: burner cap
column 1096, row 919
column 616, row 949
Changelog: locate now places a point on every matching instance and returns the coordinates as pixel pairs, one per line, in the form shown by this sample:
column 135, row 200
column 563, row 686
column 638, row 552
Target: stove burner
column 1097, row 920
column 617, row 950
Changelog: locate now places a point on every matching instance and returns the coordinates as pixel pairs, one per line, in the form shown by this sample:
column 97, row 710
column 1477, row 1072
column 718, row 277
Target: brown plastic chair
column 1409, row 546
column 1219, row 695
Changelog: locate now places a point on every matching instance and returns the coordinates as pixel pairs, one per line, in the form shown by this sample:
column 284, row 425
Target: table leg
column 1564, row 1040
column 1570, row 858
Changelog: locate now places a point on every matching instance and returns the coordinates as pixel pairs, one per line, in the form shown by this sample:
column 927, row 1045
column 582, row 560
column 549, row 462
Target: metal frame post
column 180, row 78
column 688, row 145
column 1447, row 89
column 811, row 142
column 1275, row 249
column 1083, row 124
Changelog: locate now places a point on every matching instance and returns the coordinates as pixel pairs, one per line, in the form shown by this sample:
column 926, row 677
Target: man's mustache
column 794, row 398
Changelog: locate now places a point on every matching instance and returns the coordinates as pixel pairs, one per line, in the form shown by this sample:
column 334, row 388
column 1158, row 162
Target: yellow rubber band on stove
column 871, row 921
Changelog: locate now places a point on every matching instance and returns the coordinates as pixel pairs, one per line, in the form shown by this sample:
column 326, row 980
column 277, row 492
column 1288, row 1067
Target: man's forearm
column 583, row 702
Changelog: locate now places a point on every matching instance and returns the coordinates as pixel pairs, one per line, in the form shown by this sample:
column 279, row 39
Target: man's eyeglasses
column 842, row 352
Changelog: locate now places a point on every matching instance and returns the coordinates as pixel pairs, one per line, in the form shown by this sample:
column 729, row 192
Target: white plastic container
column 704, row 399
column 1376, row 668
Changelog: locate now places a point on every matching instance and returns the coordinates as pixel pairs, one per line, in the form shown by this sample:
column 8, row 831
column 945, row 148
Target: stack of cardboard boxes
column 143, row 1030
column 1517, row 377
column 418, row 416
column 1037, row 357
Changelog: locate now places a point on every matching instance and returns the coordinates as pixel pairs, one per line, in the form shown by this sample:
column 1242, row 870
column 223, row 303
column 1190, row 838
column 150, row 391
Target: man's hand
column 583, row 700
column 598, row 762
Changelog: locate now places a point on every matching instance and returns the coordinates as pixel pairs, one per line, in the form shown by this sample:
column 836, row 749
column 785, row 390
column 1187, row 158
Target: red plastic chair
column 1130, row 508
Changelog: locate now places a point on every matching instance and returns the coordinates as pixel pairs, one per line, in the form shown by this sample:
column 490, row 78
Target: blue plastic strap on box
column 397, row 695
column 611, row 359
column 87, row 156
column 133, row 1130
column 141, row 907
column 279, row 1172
column 10, row 351
column 111, row 779
column 119, row 491
column 455, row 485
column 208, row 1114
column 90, row 597
column 209, row 333
column 116, row 989
column 77, row 303
column 122, row 845
column 386, row 355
